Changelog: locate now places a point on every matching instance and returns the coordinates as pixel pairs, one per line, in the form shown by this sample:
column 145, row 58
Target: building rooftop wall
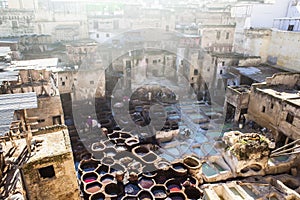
column 47, row 148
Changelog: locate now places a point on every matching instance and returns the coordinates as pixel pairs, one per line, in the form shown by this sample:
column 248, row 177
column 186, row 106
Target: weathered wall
column 274, row 46
column 63, row 185
column 284, row 47
column 65, row 81
column 218, row 38
column 89, row 84
column 288, row 79
column 255, row 42
column 292, row 130
column 269, row 118
column 239, row 99
column 48, row 107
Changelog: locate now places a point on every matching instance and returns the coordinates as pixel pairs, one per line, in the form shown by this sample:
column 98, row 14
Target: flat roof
column 289, row 95
column 296, row 101
column 35, row 64
column 258, row 73
column 54, row 144
column 11, row 102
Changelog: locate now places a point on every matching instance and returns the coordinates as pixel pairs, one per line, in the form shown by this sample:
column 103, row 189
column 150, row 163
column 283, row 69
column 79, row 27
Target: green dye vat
column 221, row 169
column 249, row 191
column 281, row 158
column 208, row 170
column 235, row 192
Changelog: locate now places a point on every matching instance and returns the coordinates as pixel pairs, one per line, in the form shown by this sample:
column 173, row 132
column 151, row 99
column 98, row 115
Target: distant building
column 16, row 22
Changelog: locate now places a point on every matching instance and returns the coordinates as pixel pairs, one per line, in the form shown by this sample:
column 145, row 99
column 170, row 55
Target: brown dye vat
column 93, row 187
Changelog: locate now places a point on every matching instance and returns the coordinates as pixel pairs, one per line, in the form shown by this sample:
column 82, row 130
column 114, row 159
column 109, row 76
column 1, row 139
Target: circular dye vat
column 159, row 192
column 89, row 177
column 97, row 196
column 145, row 196
column 106, row 179
column 146, row 183
column 108, row 161
column 177, row 196
column 192, row 193
column 103, row 169
column 112, row 189
column 132, row 189
column 93, row 187
column 174, row 188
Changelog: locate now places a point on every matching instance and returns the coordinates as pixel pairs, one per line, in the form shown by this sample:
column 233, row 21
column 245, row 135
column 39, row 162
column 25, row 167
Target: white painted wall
column 263, row 14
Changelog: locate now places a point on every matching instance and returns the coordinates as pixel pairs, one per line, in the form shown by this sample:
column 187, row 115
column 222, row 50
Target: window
column 196, row 72
column 0, row 22
column 63, row 83
column 56, row 120
column 95, row 25
column 272, row 105
column 14, row 24
column 289, row 118
column 218, row 35
column 92, row 82
column 41, row 120
column 97, row 35
column 223, row 63
column 154, row 61
column 212, row 61
column 47, row 172
column 66, row 78
column 107, row 34
column 227, row 36
column 221, row 71
column 291, row 28
column 263, row 109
